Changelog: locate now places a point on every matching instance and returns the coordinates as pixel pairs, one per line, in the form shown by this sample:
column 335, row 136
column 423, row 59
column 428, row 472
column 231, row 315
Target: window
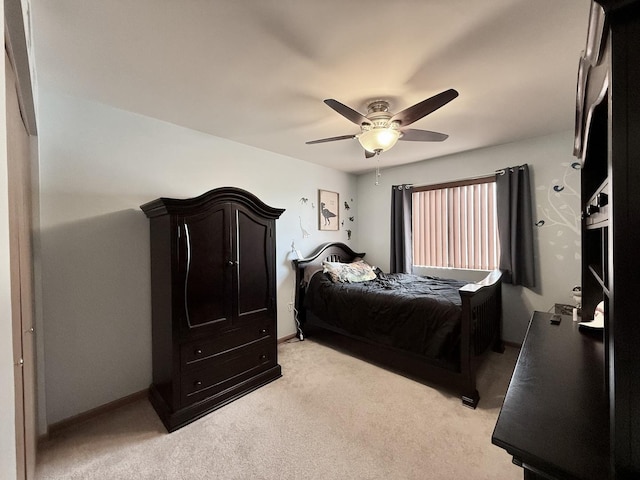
column 455, row 225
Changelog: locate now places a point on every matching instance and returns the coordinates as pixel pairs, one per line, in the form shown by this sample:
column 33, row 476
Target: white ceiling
column 257, row 71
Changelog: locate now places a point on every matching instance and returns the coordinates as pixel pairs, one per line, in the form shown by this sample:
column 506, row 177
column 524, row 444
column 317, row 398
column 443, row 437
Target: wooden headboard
column 332, row 252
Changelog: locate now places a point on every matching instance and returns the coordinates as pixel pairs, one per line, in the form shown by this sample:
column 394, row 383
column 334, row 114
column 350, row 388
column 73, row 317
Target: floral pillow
column 359, row 271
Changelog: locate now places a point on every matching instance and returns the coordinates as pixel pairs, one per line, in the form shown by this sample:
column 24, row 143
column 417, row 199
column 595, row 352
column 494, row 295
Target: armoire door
column 205, row 270
column 254, row 257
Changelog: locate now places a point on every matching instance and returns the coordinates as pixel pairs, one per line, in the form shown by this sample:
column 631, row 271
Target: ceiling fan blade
column 425, row 107
column 347, row 112
column 330, row 139
column 413, row 135
column 368, row 154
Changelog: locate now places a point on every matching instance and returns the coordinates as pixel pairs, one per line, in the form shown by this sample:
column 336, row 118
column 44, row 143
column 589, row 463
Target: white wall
column 98, row 164
column 557, row 242
column 7, row 386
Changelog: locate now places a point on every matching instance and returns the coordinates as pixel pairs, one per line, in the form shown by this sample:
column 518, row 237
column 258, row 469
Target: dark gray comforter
column 420, row 314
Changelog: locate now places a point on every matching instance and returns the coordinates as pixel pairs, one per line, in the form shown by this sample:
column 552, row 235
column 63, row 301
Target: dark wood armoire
column 213, row 294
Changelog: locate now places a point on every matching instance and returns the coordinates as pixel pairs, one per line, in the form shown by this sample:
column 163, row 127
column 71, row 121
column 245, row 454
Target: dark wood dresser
column 572, row 410
column 213, row 301
column 555, row 416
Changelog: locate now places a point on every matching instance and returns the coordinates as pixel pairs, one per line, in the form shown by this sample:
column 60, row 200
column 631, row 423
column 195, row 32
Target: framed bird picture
column 328, row 210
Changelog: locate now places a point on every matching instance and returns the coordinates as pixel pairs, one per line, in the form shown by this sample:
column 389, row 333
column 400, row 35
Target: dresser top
column 555, row 413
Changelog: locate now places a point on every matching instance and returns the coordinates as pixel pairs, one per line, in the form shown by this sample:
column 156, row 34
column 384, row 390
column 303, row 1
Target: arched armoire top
column 164, row 206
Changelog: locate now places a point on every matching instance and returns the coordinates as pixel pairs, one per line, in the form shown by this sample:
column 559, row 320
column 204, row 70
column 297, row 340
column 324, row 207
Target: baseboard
column 286, row 338
column 54, row 428
column 57, row 427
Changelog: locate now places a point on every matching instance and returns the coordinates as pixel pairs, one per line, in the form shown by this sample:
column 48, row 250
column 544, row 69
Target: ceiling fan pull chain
column 378, row 171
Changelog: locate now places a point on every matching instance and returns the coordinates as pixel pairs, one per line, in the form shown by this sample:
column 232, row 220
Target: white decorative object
column 577, row 295
column 598, row 319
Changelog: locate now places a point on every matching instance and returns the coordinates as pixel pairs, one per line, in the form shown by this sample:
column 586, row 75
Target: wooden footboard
column 482, row 303
column 480, row 329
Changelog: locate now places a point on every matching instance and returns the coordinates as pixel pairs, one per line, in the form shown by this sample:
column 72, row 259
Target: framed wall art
column 328, row 210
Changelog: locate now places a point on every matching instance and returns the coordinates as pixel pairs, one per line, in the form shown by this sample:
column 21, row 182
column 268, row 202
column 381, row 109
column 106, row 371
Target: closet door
column 255, row 267
column 22, row 278
column 205, row 270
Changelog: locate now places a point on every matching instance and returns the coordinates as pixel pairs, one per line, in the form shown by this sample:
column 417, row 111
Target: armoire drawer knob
column 263, row 331
column 198, row 351
column 197, row 383
column 263, row 356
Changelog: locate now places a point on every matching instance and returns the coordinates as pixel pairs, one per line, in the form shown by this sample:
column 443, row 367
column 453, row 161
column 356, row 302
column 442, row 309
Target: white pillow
column 359, row 271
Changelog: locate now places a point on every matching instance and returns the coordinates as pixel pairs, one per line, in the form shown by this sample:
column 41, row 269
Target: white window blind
column 456, row 226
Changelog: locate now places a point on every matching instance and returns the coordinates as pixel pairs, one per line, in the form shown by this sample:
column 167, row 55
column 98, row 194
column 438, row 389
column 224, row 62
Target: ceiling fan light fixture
column 380, row 129
column 376, row 140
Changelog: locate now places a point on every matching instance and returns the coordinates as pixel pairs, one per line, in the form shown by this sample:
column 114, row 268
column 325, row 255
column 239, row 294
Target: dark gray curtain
column 515, row 225
column 401, row 260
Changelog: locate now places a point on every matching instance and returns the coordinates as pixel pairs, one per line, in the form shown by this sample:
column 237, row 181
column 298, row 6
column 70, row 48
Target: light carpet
column 331, row 416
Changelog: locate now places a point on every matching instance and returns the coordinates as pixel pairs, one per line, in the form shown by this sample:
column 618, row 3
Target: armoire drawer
column 198, row 352
column 229, row 369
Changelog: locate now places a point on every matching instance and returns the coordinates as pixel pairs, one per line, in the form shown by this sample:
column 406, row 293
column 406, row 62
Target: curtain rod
column 462, row 180
column 502, row 171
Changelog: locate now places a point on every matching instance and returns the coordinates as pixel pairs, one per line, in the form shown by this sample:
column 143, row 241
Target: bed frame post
column 298, row 311
column 470, row 395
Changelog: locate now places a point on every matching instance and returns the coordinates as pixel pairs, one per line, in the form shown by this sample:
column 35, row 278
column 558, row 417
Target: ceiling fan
column 381, row 129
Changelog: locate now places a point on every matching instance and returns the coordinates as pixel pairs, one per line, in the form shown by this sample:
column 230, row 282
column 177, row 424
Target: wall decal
column 558, row 211
column 559, row 208
column 303, row 200
column 348, row 234
column 346, row 205
column 305, row 232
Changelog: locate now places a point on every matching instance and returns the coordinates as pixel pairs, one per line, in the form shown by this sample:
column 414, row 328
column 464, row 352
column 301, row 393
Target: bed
column 431, row 329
